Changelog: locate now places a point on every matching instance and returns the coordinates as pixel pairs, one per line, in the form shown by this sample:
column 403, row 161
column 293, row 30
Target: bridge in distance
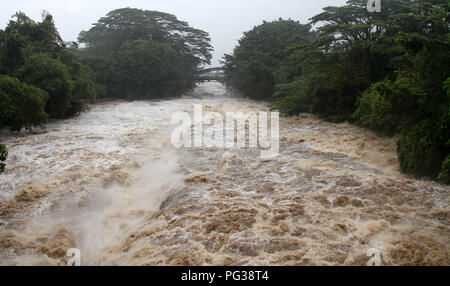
column 211, row 74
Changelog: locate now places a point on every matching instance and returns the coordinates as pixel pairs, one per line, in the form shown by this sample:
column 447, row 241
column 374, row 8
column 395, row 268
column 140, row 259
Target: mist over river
column 110, row 183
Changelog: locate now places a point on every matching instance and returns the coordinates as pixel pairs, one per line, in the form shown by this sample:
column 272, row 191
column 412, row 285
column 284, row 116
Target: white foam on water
column 110, row 183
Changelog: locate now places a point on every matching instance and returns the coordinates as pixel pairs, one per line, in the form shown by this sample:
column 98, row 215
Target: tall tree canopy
column 40, row 77
column 35, row 53
column 127, row 24
column 115, row 35
column 3, row 156
column 147, row 69
column 21, row 105
column 252, row 66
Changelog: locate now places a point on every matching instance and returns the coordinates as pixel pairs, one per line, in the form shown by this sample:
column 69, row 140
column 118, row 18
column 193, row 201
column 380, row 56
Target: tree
column 354, row 50
column 252, row 66
column 52, row 76
column 116, row 32
column 3, row 157
column 21, row 105
column 147, row 69
column 384, row 70
column 127, row 24
column 350, row 24
column 40, row 37
column 385, row 107
column 3, row 39
column 84, row 89
column 444, row 176
column 36, row 54
column 421, row 149
column 415, row 105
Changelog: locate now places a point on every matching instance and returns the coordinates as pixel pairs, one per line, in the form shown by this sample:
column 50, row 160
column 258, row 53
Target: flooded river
column 110, row 183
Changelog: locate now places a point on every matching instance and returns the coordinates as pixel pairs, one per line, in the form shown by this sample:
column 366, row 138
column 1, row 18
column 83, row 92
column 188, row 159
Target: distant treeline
column 387, row 71
column 130, row 54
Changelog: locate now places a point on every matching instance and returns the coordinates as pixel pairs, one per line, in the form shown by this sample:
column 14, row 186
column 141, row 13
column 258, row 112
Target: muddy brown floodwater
column 110, row 183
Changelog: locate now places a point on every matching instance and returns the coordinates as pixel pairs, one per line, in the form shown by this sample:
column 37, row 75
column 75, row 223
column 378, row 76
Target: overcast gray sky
column 225, row 20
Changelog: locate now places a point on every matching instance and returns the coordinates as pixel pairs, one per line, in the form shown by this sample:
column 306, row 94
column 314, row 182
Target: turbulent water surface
column 110, row 183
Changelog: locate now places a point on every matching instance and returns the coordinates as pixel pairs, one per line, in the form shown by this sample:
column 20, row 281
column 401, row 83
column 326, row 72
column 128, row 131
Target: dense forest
column 388, row 72
column 129, row 54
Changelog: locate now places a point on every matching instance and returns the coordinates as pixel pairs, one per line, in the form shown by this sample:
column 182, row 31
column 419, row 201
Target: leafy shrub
column 147, row 69
column 422, row 150
column 252, row 67
column 21, row 105
column 53, row 76
column 386, row 107
column 165, row 52
column 292, row 100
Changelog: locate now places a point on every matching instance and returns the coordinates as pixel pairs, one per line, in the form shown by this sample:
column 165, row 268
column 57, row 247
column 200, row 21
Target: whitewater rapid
column 110, row 183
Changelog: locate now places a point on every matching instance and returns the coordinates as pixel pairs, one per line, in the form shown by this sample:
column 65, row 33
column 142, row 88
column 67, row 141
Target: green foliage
column 383, row 70
column 35, row 53
column 52, row 76
column 288, row 93
column 127, row 24
column 421, row 149
column 53, row 82
column 21, row 105
column 424, row 147
column 385, row 107
column 252, row 66
column 24, row 36
column 3, row 157
column 444, row 176
column 147, row 69
column 84, row 88
column 101, row 76
column 127, row 37
column 356, row 49
column 415, row 99
column 3, row 39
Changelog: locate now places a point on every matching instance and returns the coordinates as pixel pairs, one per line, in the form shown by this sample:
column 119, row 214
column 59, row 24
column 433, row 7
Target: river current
column 110, row 183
